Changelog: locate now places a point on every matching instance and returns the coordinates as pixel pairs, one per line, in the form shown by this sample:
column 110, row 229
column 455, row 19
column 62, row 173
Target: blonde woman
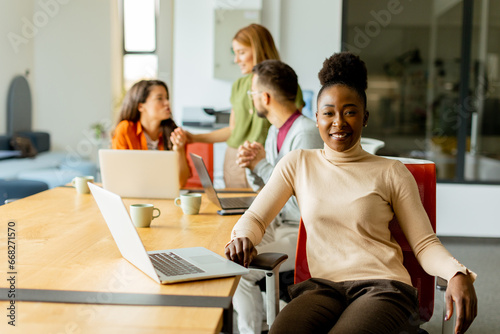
column 251, row 45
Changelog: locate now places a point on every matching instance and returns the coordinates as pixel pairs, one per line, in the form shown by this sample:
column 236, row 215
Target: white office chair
column 371, row 145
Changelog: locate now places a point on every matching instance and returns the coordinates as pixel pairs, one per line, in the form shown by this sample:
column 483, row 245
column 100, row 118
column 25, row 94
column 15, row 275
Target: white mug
column 189, row 203
column 142, row 214
column 80, row 183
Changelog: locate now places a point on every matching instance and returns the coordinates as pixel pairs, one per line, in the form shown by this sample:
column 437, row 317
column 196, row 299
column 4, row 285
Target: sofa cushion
column 24, row 145
column 5, row 143
column 83, row 167
column 10, row 168
column 41, row 140
column 53, row 177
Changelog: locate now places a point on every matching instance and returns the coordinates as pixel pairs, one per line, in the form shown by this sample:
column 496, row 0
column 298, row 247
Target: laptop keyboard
column 236, row 202
column 171, row 264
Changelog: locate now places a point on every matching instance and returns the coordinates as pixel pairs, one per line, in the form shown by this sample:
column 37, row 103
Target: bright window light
column 139, row 66
column 139, row 21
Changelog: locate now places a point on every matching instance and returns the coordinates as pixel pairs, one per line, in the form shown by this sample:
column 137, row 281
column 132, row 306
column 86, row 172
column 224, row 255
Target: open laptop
column 140, row 173
column 206, row 181
column 164, row 266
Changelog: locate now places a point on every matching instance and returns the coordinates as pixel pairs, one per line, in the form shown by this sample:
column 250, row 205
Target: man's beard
column 262, row 113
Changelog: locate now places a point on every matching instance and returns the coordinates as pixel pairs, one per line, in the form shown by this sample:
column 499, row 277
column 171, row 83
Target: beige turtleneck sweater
column 346, row 201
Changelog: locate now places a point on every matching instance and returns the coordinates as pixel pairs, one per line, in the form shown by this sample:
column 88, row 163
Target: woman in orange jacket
column 146, row 123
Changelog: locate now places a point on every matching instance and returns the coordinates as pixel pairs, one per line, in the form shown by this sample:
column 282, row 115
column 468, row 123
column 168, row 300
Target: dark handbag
column 24, row 145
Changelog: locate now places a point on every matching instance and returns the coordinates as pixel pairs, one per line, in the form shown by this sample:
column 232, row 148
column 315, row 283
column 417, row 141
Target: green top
column 249, row 126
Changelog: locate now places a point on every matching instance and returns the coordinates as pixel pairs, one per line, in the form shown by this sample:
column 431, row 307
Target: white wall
column 15, row 58
column 165, row 31
column 307, row 36
column 74, row 73
column 467, row 210
column 311, row 32
column 193, row 83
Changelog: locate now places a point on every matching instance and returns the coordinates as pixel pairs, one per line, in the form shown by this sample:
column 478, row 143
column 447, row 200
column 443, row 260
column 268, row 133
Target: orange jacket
column 130, row 136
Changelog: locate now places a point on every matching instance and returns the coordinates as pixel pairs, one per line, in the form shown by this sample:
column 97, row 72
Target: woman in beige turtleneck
column 347, row 197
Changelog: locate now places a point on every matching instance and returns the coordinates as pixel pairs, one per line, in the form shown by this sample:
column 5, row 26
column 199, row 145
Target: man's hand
column 461, row 291
column 249, row 154
column 245, row 155
column 241, row 251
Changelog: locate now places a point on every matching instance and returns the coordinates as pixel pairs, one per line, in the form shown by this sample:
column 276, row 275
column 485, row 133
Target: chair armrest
column 441, row 284
column 267, row 261
column 446, row 326
column 270, row 263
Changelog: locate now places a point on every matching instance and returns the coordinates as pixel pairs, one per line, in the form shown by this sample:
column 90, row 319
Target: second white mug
column 80, row 183
column 142, row 214
column 189, row 203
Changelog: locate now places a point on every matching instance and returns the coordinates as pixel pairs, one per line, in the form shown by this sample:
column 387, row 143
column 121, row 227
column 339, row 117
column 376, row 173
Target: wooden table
column 63, row 243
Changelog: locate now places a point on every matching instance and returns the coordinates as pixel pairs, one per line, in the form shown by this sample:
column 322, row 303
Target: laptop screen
column 205, row 179
column 140, row 173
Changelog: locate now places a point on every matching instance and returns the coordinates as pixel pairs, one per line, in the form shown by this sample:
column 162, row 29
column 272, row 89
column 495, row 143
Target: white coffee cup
column 80, row 183
column 189, row 203
column 142, row 214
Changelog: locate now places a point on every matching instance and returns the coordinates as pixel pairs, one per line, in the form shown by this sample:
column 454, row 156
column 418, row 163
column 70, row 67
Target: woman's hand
column 179, row 138
column 241, row 251
column 461, row 291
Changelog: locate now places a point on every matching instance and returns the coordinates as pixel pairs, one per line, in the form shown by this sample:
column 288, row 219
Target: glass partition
column 482, row 160
column 416, row 55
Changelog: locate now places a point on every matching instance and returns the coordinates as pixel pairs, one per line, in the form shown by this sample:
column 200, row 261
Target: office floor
column 481, row 256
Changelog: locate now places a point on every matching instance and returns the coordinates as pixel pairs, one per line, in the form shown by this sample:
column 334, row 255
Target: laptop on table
column 140, row 173
column 227, row 203
column 164, row 266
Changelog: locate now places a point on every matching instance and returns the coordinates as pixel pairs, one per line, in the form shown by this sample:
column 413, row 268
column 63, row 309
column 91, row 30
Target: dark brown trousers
column 368, row 306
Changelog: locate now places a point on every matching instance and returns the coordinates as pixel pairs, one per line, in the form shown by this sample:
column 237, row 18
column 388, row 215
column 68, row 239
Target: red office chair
column 206, row 151
column 425, row 175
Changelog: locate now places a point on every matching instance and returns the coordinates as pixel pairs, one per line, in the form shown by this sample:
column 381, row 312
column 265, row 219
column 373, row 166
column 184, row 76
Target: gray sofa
column 47, row 167
column 20, row 177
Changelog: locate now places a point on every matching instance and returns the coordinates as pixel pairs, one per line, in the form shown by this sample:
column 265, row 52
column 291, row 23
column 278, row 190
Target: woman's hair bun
column 345, row 68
